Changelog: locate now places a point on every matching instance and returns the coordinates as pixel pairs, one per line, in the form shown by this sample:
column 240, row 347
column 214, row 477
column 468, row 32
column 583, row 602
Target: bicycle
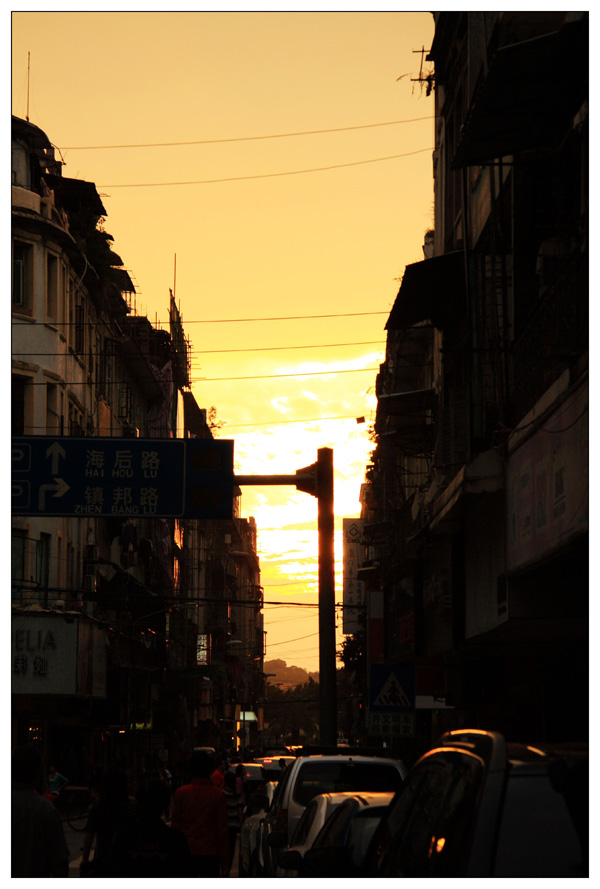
column 78, row 807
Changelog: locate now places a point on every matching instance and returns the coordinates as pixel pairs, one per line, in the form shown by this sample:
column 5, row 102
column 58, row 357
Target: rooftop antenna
column 28, row 67
column 174, row 274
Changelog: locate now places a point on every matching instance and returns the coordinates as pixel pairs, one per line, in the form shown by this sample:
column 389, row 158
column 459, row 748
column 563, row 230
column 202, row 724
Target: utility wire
column 307, row 373
column 220, row 351
column 364, row 126
column 373, row 160
column 221, row 320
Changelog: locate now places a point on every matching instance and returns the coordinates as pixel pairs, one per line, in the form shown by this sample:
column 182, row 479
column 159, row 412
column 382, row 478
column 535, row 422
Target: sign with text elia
column 102, row 476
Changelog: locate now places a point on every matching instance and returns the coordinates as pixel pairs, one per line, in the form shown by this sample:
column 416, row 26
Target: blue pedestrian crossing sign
column 392, row 689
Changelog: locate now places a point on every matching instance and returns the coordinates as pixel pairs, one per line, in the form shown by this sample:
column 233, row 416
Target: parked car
column 312, row 820
column 331, row 834
column 309, row 776
column 277, row 751
column 272, row 765
column 253, row 776
column 475, row 806
column 250, row 860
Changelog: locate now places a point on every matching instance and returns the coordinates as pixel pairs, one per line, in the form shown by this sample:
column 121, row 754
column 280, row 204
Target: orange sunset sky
column 199, row 130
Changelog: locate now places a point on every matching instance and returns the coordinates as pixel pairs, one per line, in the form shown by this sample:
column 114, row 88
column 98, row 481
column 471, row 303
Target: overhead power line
column 221, row 351
column 226, row 320
column 373, row 160
column 315, row 373
column 306, row 373
column 363, row 126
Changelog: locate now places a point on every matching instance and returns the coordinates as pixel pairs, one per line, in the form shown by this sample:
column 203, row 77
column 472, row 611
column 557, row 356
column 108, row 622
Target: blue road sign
column 392, row 689
column 105, row 476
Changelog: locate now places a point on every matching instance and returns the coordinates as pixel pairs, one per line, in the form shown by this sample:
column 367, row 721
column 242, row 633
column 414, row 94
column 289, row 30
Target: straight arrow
column 55, row 451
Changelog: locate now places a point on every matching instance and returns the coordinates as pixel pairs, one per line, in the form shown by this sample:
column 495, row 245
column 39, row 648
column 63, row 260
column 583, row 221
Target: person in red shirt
column 200, row 813
column 218, row 776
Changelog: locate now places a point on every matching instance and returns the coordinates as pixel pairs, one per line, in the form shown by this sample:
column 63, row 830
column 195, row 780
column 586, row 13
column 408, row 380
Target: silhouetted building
column 476, row 502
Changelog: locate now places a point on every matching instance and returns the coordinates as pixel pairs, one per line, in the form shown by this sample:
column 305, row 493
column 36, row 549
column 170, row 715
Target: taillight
column 280, row 822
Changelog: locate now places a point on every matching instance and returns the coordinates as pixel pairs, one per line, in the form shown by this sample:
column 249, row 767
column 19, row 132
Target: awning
column 431, row 290
column 120, row 278
column 529, row 97
column 484, row 474
column 75, row 194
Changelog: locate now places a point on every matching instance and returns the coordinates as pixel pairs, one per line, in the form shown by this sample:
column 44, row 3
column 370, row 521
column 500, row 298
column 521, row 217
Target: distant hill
column 288, row 676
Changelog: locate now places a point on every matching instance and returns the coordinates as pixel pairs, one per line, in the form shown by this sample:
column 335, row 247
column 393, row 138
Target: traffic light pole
column 317, row 480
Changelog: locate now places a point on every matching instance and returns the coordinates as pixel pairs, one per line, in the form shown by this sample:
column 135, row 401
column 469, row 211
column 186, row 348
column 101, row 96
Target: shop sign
column 43, row 655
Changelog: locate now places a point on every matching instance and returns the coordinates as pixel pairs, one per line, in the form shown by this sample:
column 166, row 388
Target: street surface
column 75, row 842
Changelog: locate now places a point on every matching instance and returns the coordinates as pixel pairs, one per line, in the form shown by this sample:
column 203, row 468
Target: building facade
column 476, row 501
column 120, row 622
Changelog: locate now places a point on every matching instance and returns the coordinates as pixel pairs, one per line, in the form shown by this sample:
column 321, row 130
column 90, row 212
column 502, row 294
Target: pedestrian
column 234, row 812
column 146, row 846
column 38, row 844
column 55, row 782
column 218, row 776
column 113, row 810
column 240, row 786
column 199, row 810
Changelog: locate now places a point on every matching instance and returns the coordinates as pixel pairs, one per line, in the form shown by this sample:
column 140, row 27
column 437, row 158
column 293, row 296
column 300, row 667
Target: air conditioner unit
column 90, row 583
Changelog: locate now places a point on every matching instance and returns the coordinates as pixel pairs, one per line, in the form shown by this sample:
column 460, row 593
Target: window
column 18, row 562
column 305, row 824
column 21, row 405
column 75, row 420
column 22, row 272
column 79, row 344
column 362, row 830
column 537, row 833
column 70, row 579
column 54, row 420
column 43, row 566
column 63, row 296
column 335, row 777
column 52, row 286
column 430, row 825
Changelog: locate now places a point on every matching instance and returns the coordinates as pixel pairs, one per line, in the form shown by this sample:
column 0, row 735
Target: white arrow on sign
column 55, row 451
column 60, row 487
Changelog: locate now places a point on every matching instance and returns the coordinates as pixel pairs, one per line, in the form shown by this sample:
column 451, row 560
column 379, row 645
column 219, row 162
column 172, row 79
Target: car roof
column 248, row 766
column 374, row 797
column 346, row 757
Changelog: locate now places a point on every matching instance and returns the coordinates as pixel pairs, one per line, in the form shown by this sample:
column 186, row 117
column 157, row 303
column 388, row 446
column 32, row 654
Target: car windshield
column 334, row 777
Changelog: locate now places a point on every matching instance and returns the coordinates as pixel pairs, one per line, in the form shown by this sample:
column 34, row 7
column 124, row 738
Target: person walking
column 234, row 812
column 146, row 846
column 38, row 844
column 199, row 811
column 218, row 776
column 113, row 810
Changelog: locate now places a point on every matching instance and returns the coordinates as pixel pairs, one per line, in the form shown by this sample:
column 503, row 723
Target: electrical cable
column 218, row 351
column 315, row 373
column 373, row 160
column 364, row 126
column 215, row 320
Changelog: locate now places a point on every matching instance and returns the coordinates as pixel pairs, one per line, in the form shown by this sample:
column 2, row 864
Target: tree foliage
column 292, row 715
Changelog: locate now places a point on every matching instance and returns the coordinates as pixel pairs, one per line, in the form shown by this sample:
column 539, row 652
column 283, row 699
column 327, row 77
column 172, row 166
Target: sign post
column 317, row 480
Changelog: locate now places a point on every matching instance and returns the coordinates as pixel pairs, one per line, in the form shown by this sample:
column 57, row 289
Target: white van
column 310, row 776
